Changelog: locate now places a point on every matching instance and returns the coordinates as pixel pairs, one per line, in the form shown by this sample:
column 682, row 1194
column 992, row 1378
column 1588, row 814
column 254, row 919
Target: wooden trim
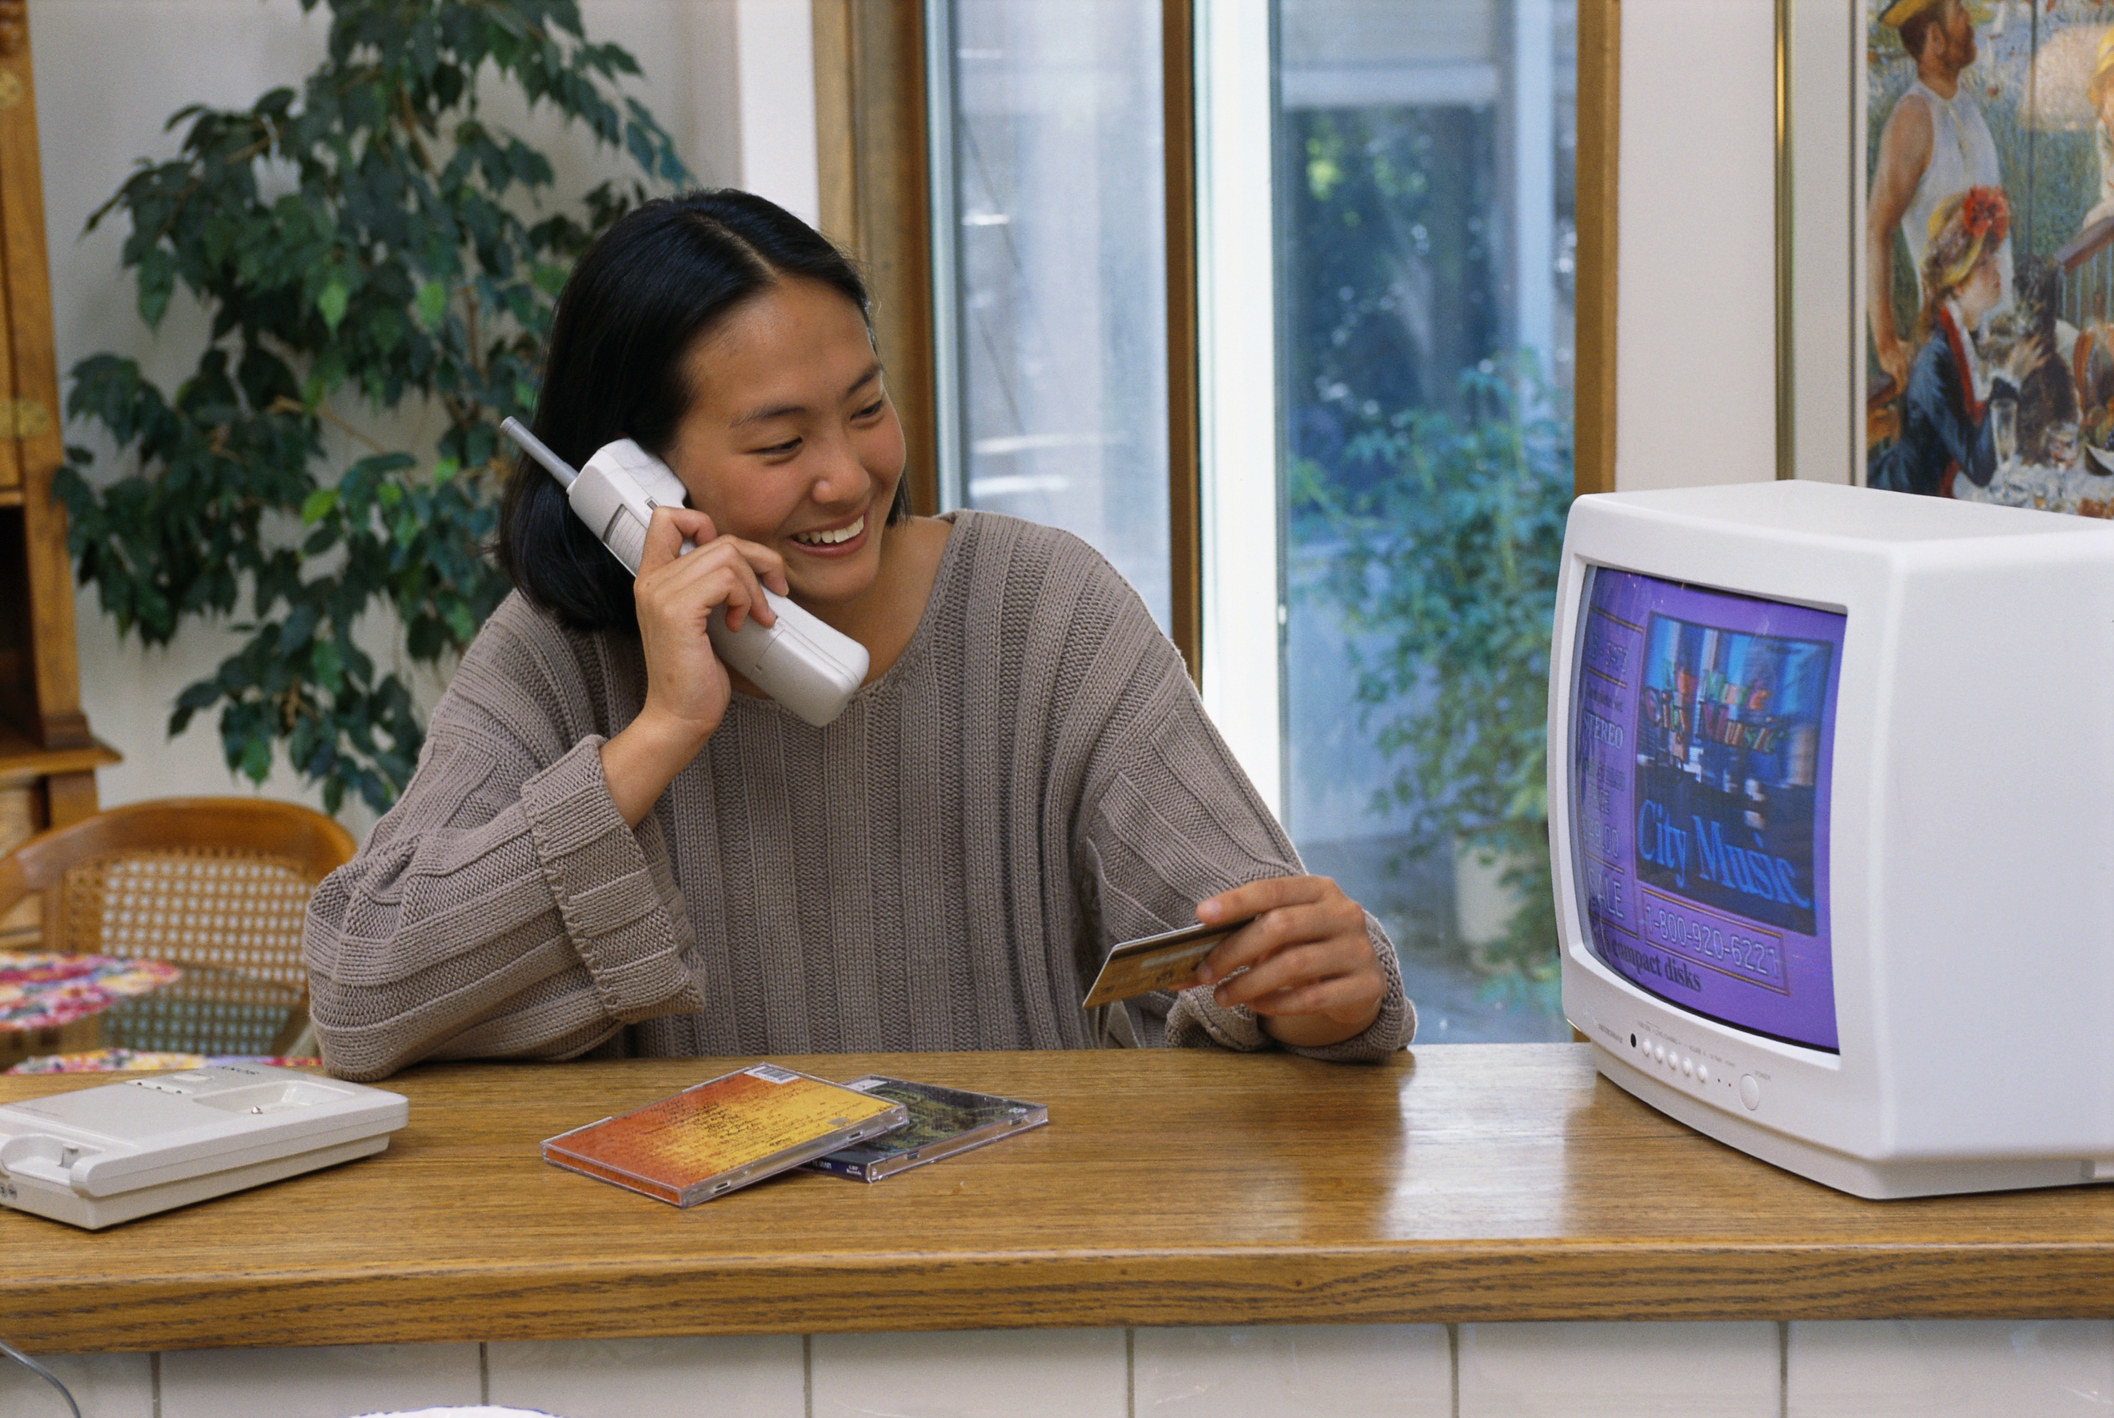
column 1185, row 530
column 1786, row 289
column 29, row 419
column 1599, row 146
column 835, row 167
column 71, row 797
column 24, row 761
column 870, row 135
column 17, row 109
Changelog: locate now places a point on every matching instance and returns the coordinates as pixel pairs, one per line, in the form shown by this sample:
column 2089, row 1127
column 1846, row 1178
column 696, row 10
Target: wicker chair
column 216, row 886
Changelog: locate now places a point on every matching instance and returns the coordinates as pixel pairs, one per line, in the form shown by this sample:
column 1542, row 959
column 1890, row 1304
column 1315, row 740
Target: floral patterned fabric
column 114, row 1060
column 44, row 991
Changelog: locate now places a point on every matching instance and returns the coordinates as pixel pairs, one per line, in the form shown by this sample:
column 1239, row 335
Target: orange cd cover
column 723, row 1133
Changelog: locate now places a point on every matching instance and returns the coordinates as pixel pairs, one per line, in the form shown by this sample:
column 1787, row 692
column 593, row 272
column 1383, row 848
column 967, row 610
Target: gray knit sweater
column 943, row 867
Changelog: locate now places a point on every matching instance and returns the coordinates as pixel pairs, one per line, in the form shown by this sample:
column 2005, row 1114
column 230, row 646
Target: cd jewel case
column 943, row 1121
column 724, row 1133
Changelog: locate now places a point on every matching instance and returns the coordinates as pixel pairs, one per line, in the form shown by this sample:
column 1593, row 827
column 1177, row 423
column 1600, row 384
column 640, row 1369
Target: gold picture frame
column 1599, row 154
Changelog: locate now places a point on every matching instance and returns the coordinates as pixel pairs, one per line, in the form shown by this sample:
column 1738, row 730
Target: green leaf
column 332, row 301
column 157, row 282
column 432, row 304
column 256, row 759
column 326, row 665
column 317, row 504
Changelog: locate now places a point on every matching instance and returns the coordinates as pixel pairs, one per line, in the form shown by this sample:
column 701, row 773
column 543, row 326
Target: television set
column 1831, row 819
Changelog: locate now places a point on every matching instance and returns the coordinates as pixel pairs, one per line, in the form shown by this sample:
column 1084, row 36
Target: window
column 1051, row 271
column 1384, row 262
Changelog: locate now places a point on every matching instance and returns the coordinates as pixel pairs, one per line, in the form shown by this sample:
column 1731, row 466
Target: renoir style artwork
column 1988, row 255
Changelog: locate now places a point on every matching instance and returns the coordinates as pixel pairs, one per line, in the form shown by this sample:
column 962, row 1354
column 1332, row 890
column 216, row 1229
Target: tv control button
column 1702, row 1073
column 1750, row 1091
column 1688, row 1066
column 1659, row 1052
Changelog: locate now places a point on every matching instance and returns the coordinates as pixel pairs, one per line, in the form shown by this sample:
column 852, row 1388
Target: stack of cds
column 741, row 1127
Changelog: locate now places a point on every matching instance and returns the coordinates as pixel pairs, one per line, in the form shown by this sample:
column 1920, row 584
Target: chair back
column 216, row 886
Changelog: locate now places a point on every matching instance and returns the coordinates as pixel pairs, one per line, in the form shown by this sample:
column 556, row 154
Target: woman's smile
column 840, row 540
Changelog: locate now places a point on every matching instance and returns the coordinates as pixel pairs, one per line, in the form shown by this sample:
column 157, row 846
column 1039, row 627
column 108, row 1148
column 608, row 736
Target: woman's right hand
column 687, row 686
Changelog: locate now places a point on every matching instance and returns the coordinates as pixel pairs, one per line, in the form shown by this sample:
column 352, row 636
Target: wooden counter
column 1464, row 1182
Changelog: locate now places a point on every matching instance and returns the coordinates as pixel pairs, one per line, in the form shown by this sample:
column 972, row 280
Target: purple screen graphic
column 1703, row 734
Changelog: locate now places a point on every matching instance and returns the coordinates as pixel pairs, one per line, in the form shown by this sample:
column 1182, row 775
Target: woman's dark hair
column 643, row 293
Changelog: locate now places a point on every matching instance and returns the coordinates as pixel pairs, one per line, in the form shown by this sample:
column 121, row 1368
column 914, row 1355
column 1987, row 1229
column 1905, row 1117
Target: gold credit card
column 1155, row 962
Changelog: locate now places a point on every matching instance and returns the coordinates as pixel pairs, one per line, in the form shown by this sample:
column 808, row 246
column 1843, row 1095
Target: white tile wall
column 1292, row 1371
column 1874, row 1369
column 325, row 1382
column 1012, row 1373
column 745, row 1376
column 1951, row 1369
column 1619, row 1370
column 105, row 1385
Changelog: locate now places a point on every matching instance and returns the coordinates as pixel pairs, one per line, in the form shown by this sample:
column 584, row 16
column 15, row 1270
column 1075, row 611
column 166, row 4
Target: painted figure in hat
column 1935, row 146
column 1947, row 430
column 2099, row 94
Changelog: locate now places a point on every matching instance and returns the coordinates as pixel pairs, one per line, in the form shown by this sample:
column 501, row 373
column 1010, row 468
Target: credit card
column 1155, row 962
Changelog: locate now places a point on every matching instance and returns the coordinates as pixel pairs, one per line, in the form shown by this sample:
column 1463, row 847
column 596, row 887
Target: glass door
column 1424, row 160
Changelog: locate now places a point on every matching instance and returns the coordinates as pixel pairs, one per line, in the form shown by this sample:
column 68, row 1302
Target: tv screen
column 1703, row 731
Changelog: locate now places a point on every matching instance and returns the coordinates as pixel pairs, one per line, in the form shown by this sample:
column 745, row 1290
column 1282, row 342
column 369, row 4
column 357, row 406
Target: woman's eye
column 780, row 450
column 872, row 410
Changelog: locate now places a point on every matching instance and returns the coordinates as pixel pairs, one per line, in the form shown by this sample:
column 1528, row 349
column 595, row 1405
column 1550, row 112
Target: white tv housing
column 1938, row 1015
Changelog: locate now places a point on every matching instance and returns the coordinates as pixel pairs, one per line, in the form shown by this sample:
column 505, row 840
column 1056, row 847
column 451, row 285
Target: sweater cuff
column 1198, row 1020
column 615, row 911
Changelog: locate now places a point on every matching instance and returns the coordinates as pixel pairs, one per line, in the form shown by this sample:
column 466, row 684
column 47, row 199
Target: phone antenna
column 533, row 446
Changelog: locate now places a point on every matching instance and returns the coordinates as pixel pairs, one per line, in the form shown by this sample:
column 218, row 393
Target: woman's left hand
column 2028, row 355
column 1310, row 973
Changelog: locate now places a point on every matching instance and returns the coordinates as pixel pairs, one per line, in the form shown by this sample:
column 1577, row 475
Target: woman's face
column 1982, row 289
column 790, row 439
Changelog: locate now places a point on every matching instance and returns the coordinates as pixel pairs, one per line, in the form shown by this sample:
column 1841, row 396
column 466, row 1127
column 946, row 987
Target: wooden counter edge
column 1410, row 1283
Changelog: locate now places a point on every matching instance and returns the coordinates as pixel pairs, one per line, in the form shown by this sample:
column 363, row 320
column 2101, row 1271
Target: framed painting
column 1963, row 255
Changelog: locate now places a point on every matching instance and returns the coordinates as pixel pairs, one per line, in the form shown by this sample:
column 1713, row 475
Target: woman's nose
column 839, row 476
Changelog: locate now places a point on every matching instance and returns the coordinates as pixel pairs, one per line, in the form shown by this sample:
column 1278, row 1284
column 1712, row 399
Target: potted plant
column 1448, row 585
column 369, row 242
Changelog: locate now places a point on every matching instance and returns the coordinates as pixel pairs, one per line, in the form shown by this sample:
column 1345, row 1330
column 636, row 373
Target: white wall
column 1695, row 332
column 775, row 48
column 732, row 80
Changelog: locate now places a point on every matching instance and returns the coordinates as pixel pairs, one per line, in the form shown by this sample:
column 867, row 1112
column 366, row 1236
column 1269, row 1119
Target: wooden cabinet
column 47, row 756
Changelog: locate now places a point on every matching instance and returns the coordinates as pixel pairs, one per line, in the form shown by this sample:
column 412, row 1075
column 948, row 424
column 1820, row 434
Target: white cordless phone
column 809, row 667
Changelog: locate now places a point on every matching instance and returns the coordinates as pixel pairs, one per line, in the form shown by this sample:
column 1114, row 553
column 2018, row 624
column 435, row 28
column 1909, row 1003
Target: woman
column 1946, row 429
column 613, row 846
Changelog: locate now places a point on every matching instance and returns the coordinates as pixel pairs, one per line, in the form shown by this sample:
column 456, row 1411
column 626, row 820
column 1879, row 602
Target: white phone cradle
column 97, row 1156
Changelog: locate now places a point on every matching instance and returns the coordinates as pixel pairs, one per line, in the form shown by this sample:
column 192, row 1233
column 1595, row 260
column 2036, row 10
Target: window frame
column 878, row 184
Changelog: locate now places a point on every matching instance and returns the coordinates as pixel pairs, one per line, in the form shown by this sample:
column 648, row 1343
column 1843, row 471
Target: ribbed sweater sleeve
column 502, row 907
column 1171, row 819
